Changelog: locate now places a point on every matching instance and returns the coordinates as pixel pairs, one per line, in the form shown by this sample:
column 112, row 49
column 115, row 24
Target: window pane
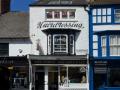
column 4, row 49
column 57, row 40
column 64, row 14
column 98, row 19
column 104, row 11
column 117, row 15
column 109, row 11
column 49, row 14
column 103, row 51
column 109, row 19
column 104, row 19
column 99, row 11
column 60, row 43
column 77, row 74
column 113, row 40
column 63, row 76
column 113, row 50
column 63, row 39
column 114, row 79
column 94, row 19
column 56, row 14
column 57, row 46
column 94, row 11
column 103, row 41
column 63, row 46
column 118, row 40
column 72, row 14
column 49, row 44
column 119, row 50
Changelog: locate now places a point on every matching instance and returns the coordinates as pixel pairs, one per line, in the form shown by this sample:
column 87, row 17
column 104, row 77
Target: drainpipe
column 30, row 73
column 91, row 62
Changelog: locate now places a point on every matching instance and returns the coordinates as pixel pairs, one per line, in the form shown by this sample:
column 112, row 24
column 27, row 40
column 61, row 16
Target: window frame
column 104, row 46
column 99, row 14
column 66, row 51
column 115, row 15
column 60, row 13
column 117, row 45
column 67, row 68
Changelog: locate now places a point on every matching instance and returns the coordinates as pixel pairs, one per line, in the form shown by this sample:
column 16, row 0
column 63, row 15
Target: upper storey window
column 117, row 15
column 103, row 45
column 102, row 15
column 4, row 49
column 114, row 45
column 60, row 14
column 60, row 44
column 106, row 15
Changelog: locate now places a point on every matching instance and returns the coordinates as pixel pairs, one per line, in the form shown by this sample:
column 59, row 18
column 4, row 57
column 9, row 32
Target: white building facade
column 59, row 51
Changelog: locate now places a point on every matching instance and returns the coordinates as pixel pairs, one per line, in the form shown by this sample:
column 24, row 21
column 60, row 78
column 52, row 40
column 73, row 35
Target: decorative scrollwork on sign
column 60, row 24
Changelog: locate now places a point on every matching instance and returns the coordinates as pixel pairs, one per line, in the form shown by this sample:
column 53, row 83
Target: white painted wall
column 37, row 14
column 17, row 46
column 106, row 27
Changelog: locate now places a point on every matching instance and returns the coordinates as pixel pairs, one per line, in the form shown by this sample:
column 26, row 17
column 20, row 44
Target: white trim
column 104, row 45
column 116, row 45
column 60, row 44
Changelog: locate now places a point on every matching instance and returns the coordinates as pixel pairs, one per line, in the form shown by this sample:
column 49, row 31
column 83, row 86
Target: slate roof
column 14, row 25
column 59, row 3
column 105, row 2
column 74, row 2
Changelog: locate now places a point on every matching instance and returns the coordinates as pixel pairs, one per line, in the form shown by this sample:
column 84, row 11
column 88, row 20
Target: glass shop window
column 114, row 77
column 72, row 75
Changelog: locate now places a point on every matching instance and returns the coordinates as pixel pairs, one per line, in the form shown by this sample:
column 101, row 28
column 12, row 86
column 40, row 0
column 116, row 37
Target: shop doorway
column 39, row 80
column 52, row 78
column 4, row 78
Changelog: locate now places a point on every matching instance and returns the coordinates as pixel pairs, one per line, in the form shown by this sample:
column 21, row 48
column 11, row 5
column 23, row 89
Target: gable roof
column 105, row 2
column 14, row 25
column 59, row 3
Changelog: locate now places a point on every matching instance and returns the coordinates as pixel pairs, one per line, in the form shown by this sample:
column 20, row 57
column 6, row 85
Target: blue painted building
column 104, row 38
column 20, row 5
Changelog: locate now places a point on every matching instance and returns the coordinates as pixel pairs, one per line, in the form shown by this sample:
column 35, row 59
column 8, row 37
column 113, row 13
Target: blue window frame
column 105, row 15
column 102, row 15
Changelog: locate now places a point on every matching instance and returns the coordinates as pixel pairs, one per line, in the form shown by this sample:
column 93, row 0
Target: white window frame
column 72, row 44
column 66, row 51
column 49, row 44
column 104, row 45
column 60, row 10
column 76, row 84
column 117, row 45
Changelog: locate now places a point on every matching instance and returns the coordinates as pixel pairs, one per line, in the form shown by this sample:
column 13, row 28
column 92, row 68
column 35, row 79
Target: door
column 39, row 81
column 53, row 79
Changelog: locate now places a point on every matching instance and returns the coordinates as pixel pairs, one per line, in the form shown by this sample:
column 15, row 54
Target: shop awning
column 45, row 59
column 13, row 60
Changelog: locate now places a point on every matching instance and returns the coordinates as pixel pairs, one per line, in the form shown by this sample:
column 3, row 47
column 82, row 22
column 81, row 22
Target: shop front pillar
column 46, row 78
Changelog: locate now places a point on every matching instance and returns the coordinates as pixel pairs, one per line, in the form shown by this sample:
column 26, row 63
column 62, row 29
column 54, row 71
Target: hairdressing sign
column 60, row 24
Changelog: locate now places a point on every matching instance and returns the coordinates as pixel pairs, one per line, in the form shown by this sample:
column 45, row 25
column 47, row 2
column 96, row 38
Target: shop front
column 14, row 73
column 58, row 72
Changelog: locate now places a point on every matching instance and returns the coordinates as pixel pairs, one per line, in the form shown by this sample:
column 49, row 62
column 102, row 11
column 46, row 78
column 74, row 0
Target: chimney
column 4, row 6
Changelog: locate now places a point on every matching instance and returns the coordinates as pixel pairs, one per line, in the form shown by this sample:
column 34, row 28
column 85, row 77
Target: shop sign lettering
column 60, row 24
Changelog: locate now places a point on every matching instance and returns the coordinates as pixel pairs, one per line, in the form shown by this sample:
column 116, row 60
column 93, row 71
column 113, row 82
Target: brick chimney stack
column 4, row 6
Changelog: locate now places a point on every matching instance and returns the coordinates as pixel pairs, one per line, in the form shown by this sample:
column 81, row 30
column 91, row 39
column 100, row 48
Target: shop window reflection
column 72, row 75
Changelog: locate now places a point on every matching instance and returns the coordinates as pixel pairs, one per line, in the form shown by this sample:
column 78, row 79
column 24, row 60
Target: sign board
column 60, row 24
